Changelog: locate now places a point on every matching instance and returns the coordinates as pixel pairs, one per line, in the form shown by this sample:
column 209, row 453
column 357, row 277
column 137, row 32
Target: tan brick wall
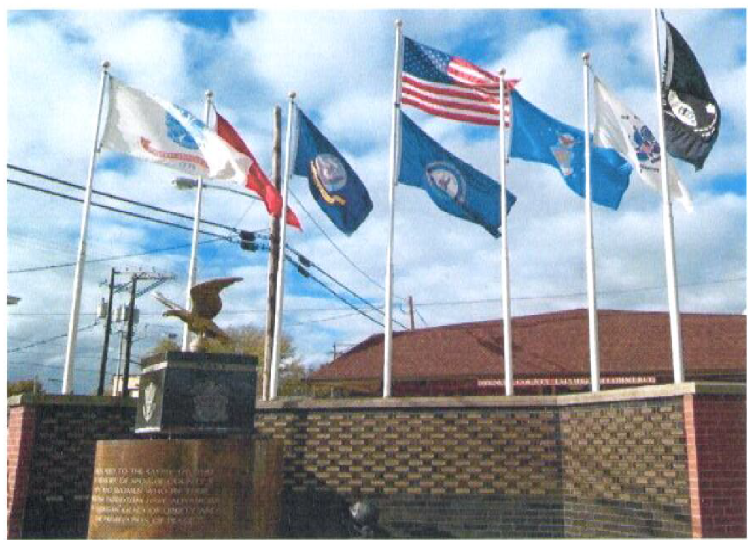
column 452, row 452
column 625, row 467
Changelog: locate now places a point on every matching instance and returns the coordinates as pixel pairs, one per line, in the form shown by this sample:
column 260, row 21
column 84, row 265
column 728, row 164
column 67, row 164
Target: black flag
column 691, row 113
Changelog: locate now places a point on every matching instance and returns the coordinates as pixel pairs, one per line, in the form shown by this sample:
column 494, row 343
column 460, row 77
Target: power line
column 576, row 294
column 111, row 208
column 112, row 258
column 329, row 239
column 47, row 340
column 116, row 197
column 303, row 260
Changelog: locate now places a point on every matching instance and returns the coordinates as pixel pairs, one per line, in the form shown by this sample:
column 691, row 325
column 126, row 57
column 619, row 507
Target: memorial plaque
column 188, row 488
column 197, row 393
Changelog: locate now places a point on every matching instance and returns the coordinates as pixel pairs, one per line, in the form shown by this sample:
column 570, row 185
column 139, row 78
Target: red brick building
column 550, row 353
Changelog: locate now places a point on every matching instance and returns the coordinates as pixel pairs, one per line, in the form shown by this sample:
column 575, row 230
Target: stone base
column 188, row 488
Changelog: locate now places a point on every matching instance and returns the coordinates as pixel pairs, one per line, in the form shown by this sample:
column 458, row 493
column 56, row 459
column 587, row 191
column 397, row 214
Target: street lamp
column 184, row 184
column 13, row 300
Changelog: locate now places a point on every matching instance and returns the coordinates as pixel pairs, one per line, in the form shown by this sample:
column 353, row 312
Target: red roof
column 550, row 344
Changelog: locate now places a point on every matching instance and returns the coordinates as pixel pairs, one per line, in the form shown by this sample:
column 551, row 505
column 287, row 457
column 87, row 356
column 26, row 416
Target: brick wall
column 20, row 443
column 653, row 461
column 625, row 469
column 434, row 472
column 58, row 482
column 716, row 427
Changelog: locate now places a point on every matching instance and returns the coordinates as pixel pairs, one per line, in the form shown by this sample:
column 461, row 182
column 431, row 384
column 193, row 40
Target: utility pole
column 273, row 257
column 128, row 346
column 107, row 331
column 410, row 308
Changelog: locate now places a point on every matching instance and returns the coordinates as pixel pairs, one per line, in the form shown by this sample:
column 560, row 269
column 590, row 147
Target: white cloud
column 340, row 63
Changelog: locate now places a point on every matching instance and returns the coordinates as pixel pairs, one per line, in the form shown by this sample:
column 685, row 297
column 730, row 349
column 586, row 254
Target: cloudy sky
column 340, row 65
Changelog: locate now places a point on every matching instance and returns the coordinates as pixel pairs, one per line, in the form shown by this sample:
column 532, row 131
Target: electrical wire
column 48, row 340
column 112, row 258
column 116, row 197
column 111, row 208
column 329, row 239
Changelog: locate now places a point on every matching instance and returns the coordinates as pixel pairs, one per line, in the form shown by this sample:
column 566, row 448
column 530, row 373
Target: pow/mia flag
column 335, row 186
column 691, row 114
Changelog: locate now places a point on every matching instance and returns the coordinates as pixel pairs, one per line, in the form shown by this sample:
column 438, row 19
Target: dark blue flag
column 335, row 186
column 455, row 186
column 539, row 137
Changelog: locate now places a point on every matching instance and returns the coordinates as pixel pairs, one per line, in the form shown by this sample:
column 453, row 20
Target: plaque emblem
column 211, row 403
column 149, row 403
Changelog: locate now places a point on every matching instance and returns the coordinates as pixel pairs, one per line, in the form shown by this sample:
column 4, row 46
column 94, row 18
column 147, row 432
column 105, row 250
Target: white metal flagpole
column 67, row 377
column 394, row 169
column 590, row 252
column 290, row 149
column 505, row 298
column 667, row 221
column 192, row 273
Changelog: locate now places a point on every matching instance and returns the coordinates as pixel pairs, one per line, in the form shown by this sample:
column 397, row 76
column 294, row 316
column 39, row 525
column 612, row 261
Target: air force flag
column 455, row 186
column 334, row 184
column 537, row 136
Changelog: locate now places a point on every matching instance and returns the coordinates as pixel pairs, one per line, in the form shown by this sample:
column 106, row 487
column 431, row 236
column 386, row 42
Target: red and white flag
column 451, row 87
column 255, row 179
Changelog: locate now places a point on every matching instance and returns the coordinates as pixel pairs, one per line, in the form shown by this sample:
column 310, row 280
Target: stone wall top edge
column 87, row 401
column 604, row 396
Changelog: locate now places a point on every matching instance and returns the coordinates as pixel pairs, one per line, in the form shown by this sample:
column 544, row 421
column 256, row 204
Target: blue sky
column 340, row 64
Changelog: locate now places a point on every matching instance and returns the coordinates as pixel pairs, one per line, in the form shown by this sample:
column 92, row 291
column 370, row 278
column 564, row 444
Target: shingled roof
column 550, row 344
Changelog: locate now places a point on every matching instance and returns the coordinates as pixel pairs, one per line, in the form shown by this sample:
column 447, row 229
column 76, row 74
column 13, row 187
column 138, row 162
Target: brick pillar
column 716, row 445
column 21, row 432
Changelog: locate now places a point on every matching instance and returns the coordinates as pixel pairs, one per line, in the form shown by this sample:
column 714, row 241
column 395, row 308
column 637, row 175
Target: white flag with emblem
column 150, row 128
column 618, row 128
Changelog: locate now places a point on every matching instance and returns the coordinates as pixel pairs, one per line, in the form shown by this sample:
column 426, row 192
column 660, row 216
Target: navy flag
column 691, row 113
column 335, row 186
column 455, row 186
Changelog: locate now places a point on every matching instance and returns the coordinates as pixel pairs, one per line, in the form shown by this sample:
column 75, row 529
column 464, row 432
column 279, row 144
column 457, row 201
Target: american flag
column 451, row 87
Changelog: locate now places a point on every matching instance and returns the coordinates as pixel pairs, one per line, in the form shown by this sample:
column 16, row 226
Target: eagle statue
column 206, row 304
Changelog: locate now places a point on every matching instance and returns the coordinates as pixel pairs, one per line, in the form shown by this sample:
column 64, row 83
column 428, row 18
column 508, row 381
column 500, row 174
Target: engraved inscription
column 146, row 497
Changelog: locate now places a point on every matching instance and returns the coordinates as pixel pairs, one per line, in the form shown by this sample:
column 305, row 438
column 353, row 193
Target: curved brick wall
column 651, row 461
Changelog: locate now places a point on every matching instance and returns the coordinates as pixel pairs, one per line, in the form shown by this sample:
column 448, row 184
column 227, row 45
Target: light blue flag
column 455, row 187
column 539, row 137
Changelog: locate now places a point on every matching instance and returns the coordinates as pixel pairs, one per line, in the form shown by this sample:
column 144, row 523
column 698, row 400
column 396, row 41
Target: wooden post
column 410, row 308
column 107, row 331
column 128, row 344
column 272, row 258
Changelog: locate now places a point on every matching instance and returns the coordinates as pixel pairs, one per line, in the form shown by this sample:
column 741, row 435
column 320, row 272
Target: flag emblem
column 563, row 152
column 645, row 145
column 178, row 133
column 447, row 180
column 328, row 174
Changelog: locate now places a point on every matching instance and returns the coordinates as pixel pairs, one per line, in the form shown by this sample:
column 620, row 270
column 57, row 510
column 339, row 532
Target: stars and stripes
column 451, row 87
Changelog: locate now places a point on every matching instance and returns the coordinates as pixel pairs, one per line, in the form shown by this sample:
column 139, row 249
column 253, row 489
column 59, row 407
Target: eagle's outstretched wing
column 206, row 301
column 165, row 301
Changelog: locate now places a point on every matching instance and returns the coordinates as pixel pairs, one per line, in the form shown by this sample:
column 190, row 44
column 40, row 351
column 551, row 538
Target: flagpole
column 281, row 257
column 67, row 378
column 590, row 252
column 192, row 273
column 394, row 159
column 667, row 221
column 505, row 298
